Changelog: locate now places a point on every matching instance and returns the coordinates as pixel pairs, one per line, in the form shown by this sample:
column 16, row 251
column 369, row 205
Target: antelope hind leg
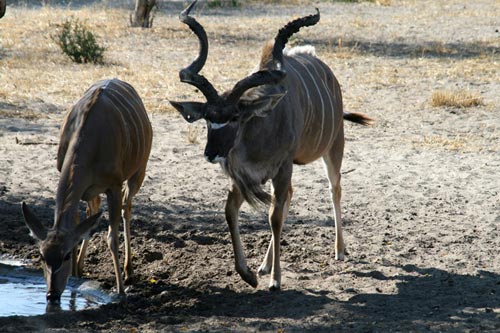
column 333, row 163
column 115, row 206
column 130, row 190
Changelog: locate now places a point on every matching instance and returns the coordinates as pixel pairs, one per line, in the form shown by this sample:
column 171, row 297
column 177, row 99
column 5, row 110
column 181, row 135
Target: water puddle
column 22, row 292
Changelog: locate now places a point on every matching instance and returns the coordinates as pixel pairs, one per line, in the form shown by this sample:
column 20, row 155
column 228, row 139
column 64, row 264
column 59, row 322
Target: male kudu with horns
column 289, row 112
column 105, row 141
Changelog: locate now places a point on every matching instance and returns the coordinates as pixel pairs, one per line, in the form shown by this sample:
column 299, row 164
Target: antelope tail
column 358, row 118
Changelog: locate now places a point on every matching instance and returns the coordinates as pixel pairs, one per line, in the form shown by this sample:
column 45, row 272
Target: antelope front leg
column 279, row 210
column 265, row 267
column 233, row 204
column 276, row 221
column 92, row 209
column 115, row 207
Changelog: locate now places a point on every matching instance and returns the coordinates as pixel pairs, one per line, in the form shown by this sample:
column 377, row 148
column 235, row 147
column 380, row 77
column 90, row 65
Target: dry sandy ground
column 421, row 194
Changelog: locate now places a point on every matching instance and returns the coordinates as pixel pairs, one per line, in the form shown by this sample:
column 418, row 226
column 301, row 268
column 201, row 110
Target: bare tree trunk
column 142, row 15
column 3, row 5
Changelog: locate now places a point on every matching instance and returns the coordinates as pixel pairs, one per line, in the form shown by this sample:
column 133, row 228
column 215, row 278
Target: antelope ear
column 259, row 106
column 191, row 111
column 84, row 228
column 82, row 231
column 37, row 230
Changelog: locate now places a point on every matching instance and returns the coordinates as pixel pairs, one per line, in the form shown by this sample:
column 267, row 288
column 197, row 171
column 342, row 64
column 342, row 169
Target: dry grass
column 33, row 68
column 459, row 143
column 458, row 99
column 304, row 2
column 35, row 75
column 453, row 144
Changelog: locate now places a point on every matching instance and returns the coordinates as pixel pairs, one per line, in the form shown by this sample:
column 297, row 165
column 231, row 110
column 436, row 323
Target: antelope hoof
column 274, row 285
column 119, row 298
column 79, row 272
column 340, row 254
column 249, row 277
column 128, row 280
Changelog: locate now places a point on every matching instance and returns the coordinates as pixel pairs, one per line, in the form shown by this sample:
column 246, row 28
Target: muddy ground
column 421, row 194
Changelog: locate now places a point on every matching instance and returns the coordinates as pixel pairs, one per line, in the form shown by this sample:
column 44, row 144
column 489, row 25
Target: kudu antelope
column 288, row 112
column 105, row 141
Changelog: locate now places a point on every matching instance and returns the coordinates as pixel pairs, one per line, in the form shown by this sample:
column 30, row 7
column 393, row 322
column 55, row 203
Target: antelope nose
column 53, row 297
column 210, row 156
column 210, row 159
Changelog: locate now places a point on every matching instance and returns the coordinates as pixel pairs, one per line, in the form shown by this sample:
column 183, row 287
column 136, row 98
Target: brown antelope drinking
column 289, row 112
column 105, row 141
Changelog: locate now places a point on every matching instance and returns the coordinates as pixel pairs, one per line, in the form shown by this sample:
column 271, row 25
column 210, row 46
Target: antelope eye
column 67, row 256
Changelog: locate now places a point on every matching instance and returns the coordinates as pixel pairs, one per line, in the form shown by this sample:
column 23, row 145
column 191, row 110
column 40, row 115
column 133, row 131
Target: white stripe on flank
column 330, row 98
column 309, row 101
column 322, row 103
column 142, row 118
column 127, row 124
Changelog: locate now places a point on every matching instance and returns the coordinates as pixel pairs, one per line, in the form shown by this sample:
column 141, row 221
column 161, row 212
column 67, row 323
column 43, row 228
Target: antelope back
column 315, row 100
column 109, row 126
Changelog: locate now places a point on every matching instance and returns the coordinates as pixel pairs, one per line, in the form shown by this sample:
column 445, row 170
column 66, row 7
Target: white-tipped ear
column 259, row 106
column 191, row 111
column 37, row 230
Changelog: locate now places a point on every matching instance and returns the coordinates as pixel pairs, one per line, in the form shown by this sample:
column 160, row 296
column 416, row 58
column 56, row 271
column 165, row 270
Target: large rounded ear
column 84, row 228
column 191, row 111
column 257, row 105
column 37, row 230
column 82, row 231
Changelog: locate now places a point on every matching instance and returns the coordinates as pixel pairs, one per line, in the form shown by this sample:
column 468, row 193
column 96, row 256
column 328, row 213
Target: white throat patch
column 216, row 126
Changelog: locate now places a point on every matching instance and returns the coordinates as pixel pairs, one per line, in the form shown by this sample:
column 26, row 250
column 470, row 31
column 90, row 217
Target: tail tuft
column 359, row 118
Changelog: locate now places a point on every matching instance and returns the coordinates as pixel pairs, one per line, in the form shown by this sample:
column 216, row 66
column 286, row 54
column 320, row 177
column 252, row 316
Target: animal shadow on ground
column 426, row 299
column 13, row 230
column 260, row 307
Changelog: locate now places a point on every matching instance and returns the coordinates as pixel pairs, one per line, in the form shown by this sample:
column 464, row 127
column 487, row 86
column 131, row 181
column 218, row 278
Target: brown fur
column 84, row 111
column 267, row 54
column 105, row 143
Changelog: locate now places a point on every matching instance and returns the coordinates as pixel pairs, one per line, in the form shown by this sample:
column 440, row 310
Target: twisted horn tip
column 185, row 13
